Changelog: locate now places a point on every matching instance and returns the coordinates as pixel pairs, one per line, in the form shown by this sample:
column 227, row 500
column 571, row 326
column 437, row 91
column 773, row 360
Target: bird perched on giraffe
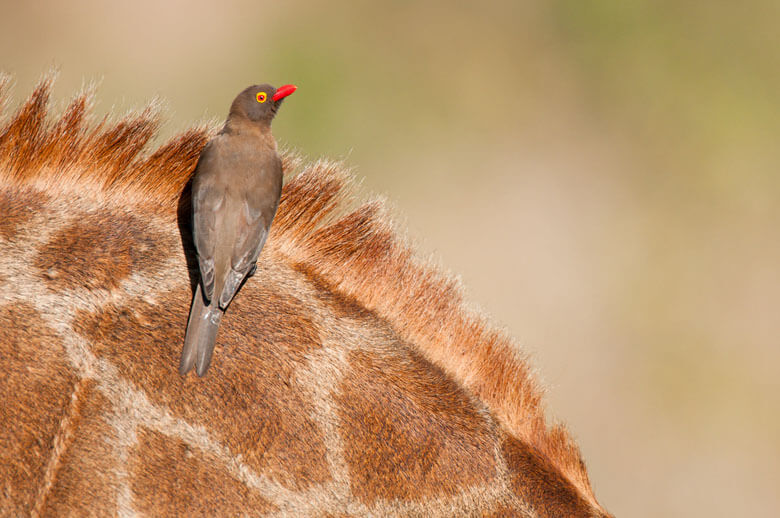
column 235, row 193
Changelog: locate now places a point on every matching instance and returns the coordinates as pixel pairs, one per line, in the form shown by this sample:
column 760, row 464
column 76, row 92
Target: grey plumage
column 235, row 193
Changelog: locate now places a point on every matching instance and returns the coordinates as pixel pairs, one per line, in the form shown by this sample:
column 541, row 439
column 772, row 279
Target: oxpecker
column 235, row 193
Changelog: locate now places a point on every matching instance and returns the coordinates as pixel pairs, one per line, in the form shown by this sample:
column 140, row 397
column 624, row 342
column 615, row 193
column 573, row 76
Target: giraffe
column 353, row 379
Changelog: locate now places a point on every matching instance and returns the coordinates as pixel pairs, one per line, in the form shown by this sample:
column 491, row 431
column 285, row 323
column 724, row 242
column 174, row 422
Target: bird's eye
column 261, row 97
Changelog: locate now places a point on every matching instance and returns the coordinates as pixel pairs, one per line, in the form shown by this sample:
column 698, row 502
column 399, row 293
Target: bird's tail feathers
column 201, row 335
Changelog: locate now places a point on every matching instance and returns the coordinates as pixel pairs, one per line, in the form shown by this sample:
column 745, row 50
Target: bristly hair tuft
column 107, row 157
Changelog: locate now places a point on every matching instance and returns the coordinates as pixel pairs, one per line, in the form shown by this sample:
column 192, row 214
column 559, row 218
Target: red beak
column 284, row 91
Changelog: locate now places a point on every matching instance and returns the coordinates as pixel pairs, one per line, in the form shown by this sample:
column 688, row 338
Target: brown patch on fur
column 500, row 512
column 35, row 389
column 100, row 250
column 85, row 483
column 171, row 479
column 357, row 254
column 541, row 485
column 17, row 209
column 269, row 422
column 412, row 432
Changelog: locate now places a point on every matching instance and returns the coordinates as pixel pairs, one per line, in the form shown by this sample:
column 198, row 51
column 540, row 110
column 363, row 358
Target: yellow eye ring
column 261, row 97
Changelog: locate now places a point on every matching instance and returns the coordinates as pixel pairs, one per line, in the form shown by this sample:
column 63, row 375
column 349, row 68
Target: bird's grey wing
column 257, row 212
column 207, row 199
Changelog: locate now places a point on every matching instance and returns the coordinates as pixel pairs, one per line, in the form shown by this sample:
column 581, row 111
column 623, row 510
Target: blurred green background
column 602, row 175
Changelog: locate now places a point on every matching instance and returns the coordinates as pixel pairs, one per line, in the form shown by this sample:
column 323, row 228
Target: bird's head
column 259, row 103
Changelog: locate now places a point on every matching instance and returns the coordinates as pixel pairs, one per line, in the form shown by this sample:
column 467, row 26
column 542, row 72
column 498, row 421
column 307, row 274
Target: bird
column 236, row 189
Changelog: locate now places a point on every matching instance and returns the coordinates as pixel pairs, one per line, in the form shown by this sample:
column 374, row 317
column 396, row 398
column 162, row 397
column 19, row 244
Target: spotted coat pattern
column 350, row 378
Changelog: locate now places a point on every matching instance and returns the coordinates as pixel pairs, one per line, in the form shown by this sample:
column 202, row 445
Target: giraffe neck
column 345, row 376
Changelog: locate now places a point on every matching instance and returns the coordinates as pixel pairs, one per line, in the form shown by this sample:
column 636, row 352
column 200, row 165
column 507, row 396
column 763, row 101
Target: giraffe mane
column 356, row 253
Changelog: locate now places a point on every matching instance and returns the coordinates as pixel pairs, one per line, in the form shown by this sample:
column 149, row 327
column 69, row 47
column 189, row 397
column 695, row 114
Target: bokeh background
column 602, row 175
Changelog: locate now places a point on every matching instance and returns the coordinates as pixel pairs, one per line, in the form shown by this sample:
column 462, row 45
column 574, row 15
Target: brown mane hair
column 356, row 253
